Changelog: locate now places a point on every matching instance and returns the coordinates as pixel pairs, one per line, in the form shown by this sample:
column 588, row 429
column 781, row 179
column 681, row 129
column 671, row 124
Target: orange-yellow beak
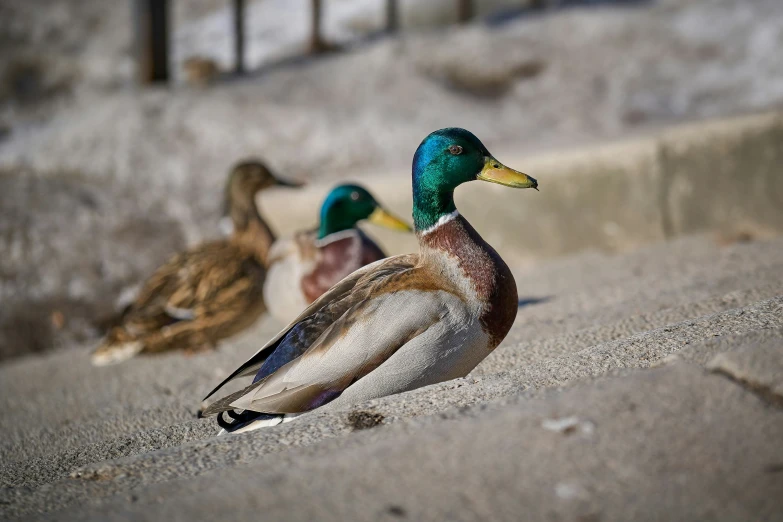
column 496, row 172
column 386, row 219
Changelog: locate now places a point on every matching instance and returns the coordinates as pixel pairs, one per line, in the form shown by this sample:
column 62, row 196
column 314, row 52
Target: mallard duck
column 397, row 324
column 207, row 293
column 309, row 263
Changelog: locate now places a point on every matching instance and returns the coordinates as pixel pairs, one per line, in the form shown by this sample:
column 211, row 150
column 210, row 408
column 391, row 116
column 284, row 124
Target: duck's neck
column 452, row 240
column 250, row 229
column 430, row 205
column 333, row 222
column 454, row 248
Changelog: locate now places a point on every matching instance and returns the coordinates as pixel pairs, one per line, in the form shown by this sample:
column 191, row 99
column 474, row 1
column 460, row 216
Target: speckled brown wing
column 327, row 311
column 203, row 293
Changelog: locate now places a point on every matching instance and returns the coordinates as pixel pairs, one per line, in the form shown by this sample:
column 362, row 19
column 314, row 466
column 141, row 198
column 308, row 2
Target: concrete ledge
column 725, row 175
column 721, row 175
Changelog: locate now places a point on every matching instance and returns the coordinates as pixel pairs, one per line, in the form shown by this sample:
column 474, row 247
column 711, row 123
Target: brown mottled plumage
column 207, row 293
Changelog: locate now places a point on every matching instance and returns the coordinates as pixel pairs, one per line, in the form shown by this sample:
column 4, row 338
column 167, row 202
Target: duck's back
column 195, row 299
column 201, row 281
column 302, row 268
column 290, row 259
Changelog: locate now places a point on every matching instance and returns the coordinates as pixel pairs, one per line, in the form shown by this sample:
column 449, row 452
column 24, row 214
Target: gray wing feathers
column 342, row 355
column 324, row 311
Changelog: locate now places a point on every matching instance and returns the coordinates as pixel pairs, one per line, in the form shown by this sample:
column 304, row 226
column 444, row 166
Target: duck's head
column 251, row 176
column 446, row 159
column 347, row 204
column 246, row 179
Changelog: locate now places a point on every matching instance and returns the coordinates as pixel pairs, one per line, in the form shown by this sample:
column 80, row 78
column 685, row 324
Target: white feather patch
column 116, row 354
column 264, row 423
column 181, row 314
column 226, row 226
column 441, row 221
column 337, row 236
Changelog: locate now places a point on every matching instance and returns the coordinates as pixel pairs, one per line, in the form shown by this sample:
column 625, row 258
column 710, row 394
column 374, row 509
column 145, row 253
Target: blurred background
column 119, row 122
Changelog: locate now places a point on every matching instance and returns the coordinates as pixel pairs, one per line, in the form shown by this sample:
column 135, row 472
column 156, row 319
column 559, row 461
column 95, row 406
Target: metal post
column 316, row 43
column 543, row 4
column 392, row 16
column 239, row 36
column 464, row 11
column 152, row 42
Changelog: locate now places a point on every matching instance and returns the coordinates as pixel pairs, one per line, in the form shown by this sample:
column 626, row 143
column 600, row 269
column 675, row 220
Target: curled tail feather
column 247, row 420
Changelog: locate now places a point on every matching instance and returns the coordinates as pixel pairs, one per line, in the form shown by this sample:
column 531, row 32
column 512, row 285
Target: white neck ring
column 441, row 221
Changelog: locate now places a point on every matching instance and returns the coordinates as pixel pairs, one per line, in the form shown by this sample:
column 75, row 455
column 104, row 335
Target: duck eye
column 354, row 196
column 455, row 150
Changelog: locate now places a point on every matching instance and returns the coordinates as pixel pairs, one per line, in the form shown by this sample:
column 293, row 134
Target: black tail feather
column 241, row 419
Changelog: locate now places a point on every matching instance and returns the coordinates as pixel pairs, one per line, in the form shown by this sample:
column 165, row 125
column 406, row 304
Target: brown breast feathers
column 492, row 280
column 337, row 259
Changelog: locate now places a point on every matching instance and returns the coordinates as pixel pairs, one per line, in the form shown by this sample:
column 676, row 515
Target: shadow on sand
column 530, row 301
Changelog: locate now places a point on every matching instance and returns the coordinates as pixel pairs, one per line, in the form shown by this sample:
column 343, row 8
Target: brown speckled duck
column 207, row 293
column 309, row 263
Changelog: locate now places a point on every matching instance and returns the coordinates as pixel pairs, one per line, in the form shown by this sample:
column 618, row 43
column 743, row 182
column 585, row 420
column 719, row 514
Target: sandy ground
column 639, row 386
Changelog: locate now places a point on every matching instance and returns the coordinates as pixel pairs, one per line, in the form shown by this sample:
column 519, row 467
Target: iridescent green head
column 346, row 205
column 446, row 159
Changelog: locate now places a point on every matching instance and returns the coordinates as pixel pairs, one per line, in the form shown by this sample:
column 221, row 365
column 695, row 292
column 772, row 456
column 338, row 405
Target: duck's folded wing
column 322, row 321
column 357, row 343
column 217, row 288
column 199, row 282
column 155, row 291
column 307, row 327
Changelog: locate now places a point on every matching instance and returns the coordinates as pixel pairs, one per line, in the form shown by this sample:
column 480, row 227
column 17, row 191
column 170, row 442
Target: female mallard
column 400, row 323
column 207, row 293
column 303, row 267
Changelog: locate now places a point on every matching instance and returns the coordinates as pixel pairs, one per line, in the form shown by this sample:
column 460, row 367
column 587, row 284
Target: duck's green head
column 446, row 159
column 346, row 205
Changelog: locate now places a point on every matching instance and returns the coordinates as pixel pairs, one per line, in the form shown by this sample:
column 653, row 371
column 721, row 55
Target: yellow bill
column 385, row 219
column 496, row 172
